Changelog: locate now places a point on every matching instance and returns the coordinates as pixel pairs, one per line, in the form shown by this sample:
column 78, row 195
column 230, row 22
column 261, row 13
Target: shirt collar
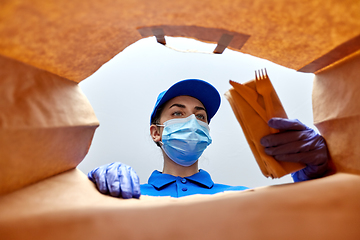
column 159, row 180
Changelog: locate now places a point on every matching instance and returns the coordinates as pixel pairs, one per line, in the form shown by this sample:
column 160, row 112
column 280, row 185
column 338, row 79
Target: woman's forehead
column 184, row 100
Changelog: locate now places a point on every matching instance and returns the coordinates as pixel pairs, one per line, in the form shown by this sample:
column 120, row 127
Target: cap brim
column 199, row 89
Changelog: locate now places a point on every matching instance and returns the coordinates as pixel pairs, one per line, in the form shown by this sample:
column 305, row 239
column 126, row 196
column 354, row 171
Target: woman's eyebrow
column 177, row 105
column 200, row 108
column 183, row 106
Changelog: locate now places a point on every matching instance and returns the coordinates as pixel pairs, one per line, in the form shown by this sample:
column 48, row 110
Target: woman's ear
column 155, row 133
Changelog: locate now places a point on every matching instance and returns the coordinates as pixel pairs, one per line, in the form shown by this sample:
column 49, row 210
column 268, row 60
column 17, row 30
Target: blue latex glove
column 297, row 143
column 116, row 179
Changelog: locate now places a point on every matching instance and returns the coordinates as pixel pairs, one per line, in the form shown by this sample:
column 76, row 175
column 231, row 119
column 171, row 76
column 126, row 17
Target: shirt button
column 183, row 180
column 184, row 189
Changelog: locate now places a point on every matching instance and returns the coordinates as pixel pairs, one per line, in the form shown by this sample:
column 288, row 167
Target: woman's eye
column 178, row 114
column 200, row 117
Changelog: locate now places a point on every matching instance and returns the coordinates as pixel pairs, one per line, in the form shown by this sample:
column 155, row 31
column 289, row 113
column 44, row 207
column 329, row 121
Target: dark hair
column 156, row 119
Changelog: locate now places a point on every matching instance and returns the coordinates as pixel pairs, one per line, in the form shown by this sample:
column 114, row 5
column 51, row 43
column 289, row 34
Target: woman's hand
column 297, row 143
column 116, row 179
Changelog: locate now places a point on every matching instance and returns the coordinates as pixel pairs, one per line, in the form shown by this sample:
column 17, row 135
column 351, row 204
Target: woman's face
column 178, row 107
column 182, row 107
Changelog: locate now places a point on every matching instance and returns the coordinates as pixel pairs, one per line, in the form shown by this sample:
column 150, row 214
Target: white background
column 124, row 90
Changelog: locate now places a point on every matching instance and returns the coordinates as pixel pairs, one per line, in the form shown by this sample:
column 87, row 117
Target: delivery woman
column 179, row 126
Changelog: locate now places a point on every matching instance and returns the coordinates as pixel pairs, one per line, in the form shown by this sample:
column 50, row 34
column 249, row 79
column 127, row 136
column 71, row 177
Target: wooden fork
column 264, row 88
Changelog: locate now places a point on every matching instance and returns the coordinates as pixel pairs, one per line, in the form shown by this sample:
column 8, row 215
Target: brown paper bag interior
column 49, row 128
column 68, row 206
column 336, row 110
column 73, row 39
column 46, row 125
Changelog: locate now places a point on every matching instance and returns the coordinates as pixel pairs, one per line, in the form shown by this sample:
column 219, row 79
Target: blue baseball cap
column 199, row 89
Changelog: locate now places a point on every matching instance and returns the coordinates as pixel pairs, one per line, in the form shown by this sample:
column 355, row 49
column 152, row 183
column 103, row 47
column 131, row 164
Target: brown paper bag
column 336, row 110
column 46, row 125
column 255, row 127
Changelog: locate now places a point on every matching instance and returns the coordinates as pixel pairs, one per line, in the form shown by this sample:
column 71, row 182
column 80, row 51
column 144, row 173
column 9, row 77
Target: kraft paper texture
column 68, row 206
column 336, row 98
column 46, row 125
column 73, row 39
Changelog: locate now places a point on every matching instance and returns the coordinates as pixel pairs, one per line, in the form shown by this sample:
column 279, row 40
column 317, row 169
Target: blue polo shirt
column 160, row 184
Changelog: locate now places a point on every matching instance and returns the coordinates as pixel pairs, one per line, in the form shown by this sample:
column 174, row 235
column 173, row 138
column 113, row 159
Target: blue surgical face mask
column 185, row 139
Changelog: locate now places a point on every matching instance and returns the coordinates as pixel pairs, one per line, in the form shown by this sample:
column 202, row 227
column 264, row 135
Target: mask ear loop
column 160, row 142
